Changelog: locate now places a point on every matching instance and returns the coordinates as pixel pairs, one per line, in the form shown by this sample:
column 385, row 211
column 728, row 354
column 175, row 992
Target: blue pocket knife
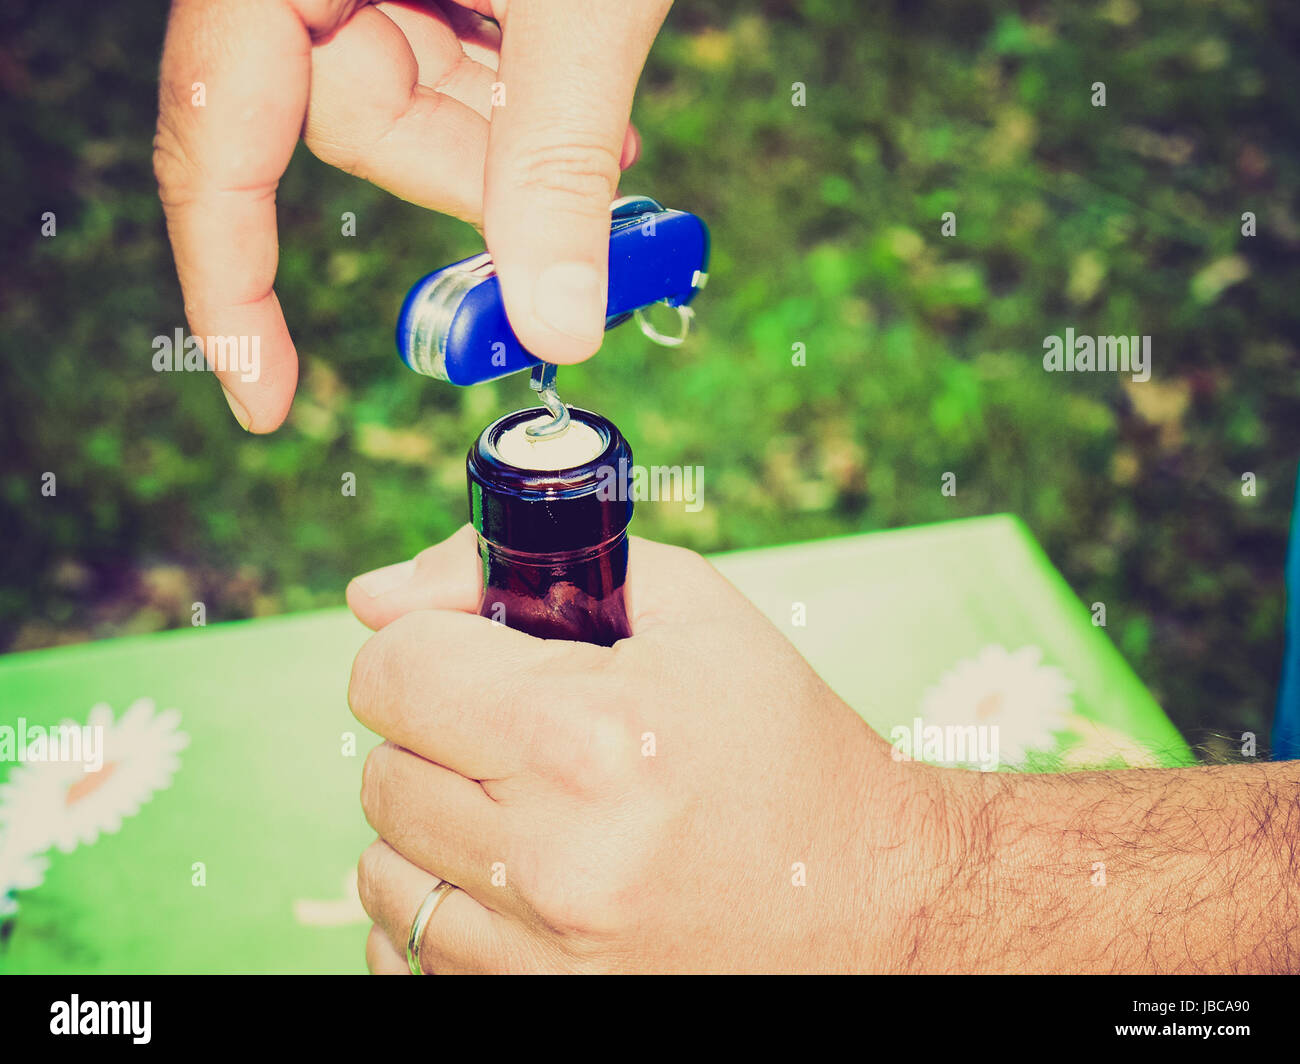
column 453, row 325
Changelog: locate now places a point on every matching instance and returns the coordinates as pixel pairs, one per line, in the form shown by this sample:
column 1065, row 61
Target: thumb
column 442, row 577
column 559, row 121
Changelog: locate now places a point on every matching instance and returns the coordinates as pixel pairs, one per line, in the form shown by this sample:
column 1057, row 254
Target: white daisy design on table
column 46, row 804
column 1026, row 700
column 18, row 871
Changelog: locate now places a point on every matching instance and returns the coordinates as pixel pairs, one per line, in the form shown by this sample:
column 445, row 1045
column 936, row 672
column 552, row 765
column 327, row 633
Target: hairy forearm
column 1176, row 870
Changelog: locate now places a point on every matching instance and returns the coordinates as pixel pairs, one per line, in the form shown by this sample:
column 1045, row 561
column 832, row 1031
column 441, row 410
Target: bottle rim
column 546, row 510
column 486, row 465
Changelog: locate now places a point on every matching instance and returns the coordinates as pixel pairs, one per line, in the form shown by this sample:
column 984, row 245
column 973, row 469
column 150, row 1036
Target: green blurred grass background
column 923, row 352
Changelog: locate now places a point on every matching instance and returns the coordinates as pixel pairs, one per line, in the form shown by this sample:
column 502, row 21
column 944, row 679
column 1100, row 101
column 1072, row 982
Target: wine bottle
column 552, row 516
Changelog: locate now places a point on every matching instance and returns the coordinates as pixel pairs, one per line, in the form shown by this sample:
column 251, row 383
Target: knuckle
column 671, row 559
column 589, row 746
column 372, row 788
column 691, row 561
column 171, row 167
column 331, row 138
column 572, row 170
column 367, row 670
column 581, row 901
column 431, row 562
column 609, row 747
column 410, row 631
column 374, row 948
column 368, row 876
column 380, row 664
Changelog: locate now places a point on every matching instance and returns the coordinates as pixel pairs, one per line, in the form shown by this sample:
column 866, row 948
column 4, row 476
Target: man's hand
column 518, row 126
column 656, row 805
column 693, row 799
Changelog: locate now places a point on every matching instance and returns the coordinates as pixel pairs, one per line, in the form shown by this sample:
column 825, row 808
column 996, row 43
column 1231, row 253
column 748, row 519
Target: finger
column 631, row 148
column 443, row 56
column 479, row 34
column 382, row 957
column 442, row 577
column 372, row 114
column 218, row 157
column 480, row 38
column 461, row 936
column 439, row 820
column 554, row 148
column 477, row 697
column 665, row 584
column 670, row 588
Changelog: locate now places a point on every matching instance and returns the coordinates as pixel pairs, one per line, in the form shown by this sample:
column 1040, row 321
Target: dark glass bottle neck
column 549, row 559
column 554, row 543
column 574, row 595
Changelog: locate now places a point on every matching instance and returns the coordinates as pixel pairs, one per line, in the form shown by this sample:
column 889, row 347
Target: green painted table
column 222, row 831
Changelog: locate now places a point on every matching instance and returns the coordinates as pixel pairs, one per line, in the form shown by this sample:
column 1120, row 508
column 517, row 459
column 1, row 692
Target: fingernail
column 237, row 408
column 570, row 298
column 389, row 578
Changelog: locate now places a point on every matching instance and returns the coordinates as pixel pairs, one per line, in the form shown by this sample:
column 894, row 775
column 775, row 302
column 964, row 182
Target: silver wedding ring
column 427, row 908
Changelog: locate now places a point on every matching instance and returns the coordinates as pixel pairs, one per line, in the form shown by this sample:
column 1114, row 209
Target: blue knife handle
column 453, row 324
